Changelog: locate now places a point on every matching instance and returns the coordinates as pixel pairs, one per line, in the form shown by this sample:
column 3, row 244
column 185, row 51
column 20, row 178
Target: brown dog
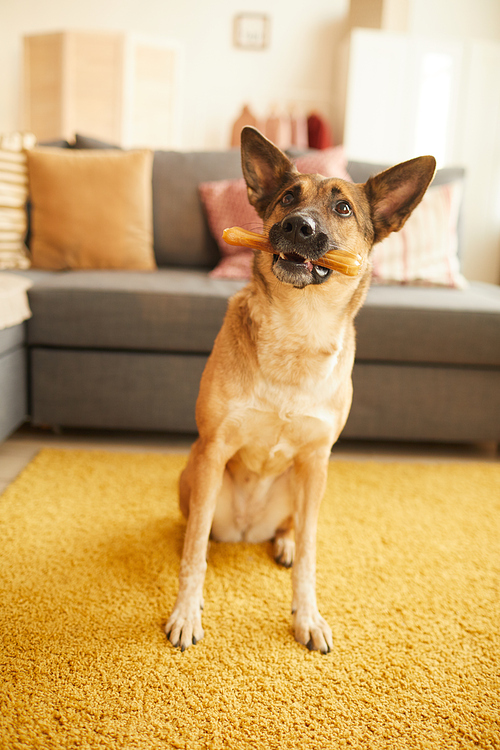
column 276, row 390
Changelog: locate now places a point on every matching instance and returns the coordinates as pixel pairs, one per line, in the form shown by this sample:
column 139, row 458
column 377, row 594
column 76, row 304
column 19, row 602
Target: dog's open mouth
column 292, row 268
column 296, row 259
column 292, row 263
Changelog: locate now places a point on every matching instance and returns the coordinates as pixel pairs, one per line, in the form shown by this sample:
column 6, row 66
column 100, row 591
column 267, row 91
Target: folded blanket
column 13, row 197
column 14, row 306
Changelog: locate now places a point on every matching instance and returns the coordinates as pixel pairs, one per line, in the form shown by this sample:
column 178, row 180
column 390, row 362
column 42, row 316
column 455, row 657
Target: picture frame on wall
column 251, row 31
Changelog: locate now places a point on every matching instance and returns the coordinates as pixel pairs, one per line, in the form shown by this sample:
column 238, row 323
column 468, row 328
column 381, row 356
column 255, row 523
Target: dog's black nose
column 298, row 228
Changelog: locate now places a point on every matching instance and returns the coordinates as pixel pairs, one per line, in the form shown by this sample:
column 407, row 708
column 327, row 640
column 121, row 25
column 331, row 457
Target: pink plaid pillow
column 424, row 251
column 329, row 162
column 226, row 205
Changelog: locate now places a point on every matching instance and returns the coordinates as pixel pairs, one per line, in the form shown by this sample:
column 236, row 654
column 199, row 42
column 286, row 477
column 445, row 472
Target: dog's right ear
column 394, row 194
column 264, row 168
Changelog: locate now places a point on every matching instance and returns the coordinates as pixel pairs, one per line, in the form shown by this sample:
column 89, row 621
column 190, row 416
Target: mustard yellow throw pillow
column 91, row 209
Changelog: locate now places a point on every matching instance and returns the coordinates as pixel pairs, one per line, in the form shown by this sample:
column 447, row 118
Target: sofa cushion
column 226, row 205
column 181, row 233
column 176, row 310
column 424, row 402
column 425, row 250
column 115, row 390
column 91, row 209
column 431, row 325
column 168, row 310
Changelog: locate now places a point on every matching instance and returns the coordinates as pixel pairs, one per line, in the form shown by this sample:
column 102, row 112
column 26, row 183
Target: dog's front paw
column 184, row 628
column 312, row 631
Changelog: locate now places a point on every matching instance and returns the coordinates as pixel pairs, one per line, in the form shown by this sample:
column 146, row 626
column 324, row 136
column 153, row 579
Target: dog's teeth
column 282, row 255
column 321, row 270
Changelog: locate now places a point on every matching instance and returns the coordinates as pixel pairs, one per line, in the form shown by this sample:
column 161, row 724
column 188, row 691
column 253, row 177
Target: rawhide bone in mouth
column 343, row 261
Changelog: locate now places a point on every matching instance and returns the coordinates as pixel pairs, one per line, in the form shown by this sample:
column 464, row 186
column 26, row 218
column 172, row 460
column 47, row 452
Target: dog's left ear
column 264, row 167
column 394, row 193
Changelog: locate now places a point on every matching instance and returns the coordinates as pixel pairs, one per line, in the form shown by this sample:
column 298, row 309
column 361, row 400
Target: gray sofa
column 13, row 379
column 125, row 350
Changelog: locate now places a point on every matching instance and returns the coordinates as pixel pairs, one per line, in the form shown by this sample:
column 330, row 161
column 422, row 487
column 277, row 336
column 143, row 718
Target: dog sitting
column 276, row 390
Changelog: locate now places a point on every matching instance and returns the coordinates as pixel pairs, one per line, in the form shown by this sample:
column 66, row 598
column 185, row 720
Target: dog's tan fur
column 276, row 390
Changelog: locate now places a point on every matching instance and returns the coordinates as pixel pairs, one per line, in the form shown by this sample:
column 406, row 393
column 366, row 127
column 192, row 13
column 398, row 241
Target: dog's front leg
column 310, row 480
column 184, row 627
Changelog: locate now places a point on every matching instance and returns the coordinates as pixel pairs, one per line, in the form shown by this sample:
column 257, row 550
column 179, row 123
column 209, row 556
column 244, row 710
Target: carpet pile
column 408, row 578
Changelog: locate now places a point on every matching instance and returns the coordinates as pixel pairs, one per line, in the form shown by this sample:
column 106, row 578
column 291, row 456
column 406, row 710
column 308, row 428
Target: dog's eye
column 343, row 208
column 287, row 199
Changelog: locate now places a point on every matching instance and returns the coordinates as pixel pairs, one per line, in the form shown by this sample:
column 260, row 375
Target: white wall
column 217, row 77
column 409, row 95
column 305, row 64
column 459, row 19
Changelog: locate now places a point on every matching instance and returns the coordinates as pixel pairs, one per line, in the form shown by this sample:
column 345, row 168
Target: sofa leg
column 489, row 448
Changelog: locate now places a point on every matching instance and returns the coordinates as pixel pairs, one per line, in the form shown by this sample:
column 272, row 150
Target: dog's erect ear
column 264, row 167
column 394, row 194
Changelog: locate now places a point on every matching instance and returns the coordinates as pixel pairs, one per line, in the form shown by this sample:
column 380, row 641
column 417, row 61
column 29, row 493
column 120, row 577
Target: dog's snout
column 298, row 228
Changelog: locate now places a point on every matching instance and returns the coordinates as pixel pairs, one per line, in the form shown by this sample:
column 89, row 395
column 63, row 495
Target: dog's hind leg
column 284, row 544
column 185, row 489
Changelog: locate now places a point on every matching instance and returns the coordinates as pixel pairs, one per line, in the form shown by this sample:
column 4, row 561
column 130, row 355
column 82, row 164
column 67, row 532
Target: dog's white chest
column 256, row 495
column 268, row 443
column 271, row 438
column 291, row 409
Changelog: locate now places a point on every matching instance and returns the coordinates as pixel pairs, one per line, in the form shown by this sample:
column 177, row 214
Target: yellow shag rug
column 408, row 577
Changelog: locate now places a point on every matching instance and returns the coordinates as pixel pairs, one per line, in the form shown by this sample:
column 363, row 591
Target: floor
column 23, row 445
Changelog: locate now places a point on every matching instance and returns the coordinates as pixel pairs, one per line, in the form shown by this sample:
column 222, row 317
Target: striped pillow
column 425, row 250
column 13, row 196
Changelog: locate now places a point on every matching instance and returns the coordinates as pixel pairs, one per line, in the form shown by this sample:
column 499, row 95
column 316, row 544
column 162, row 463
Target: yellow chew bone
column 337, row 260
